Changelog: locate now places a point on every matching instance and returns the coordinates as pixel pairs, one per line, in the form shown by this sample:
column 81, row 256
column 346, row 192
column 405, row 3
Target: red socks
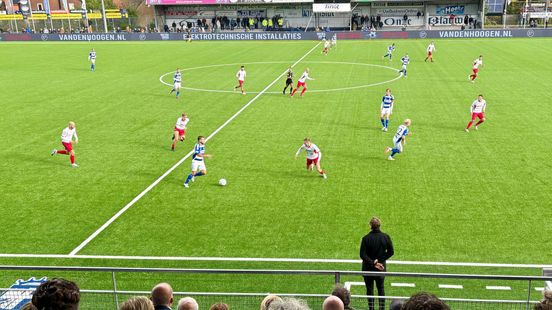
column 479, row 123
column 303, row 91
column 61, row 152
column 72, row 157
column 470, row 124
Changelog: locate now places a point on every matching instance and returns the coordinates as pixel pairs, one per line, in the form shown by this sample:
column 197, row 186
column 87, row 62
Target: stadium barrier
column 294, row 36
column 107, row 283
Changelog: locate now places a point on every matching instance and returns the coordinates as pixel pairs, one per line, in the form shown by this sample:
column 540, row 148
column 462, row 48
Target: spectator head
column 28, row 306
column 162, row 295
column 137, row 303
column 187, row 303
column 333, row 303
column 424, row 301
column 375, row 223
column 57, row 294
column 269, row 300
column 547, row 297
column 343, row 294
column 396, row 304
column 289, row 304
column 219, row 306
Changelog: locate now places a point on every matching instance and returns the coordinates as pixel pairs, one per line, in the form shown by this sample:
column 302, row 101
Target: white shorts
column 404, row 67
column 93, row 61
column 198, row 165
column 177, row 85
column 386, row 111
column 334, row 43
column 398, row 145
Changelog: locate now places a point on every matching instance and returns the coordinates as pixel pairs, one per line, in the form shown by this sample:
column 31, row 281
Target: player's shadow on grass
column 47, row 159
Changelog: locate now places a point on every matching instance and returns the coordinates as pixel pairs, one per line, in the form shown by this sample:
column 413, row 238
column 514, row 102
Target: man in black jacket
column 375, row 249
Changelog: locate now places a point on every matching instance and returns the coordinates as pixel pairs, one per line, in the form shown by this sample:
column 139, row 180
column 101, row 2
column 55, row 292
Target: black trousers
column 369, row 282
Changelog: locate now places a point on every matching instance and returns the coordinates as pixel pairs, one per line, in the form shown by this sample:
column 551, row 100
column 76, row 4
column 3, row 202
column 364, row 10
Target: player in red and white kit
column 241, row 79
column 180, row 130
column 326, row 46
column 314, row 156
column 302, row 82
column 476, row 64
column 477, row 111
column 430, row 50
column 67, row 136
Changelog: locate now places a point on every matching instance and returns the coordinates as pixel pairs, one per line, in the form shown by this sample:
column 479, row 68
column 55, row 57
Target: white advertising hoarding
column 331, row 7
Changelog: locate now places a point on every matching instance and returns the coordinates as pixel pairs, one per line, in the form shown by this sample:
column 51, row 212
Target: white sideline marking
column 263, row 259
column 498, row 288
column 348, row 285
column 539, row 289
column 403, row 284
column 152, row 185
column 451, row 286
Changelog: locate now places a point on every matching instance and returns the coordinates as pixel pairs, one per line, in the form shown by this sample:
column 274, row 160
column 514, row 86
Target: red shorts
column 181, row 132
column 475, row 71
column 478, row 115
column 240, row 82
column 68, row 146
column 312, row 161
column 429, row 53
column 299, row 84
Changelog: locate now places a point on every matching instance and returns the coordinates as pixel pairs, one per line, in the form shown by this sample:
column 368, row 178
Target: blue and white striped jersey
column 92, row 55
column 177, row 77
column 198, row 149
column 402, row 131
column 387, row 101
column 390, row 48
column 405, row 60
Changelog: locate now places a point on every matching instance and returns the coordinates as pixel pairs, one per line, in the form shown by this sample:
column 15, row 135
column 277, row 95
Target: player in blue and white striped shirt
column 92, row 59
column 198, row 161
column 386, row 109
column 177, row 79
column 399, row 139
column 389, row 52
column 405, row 61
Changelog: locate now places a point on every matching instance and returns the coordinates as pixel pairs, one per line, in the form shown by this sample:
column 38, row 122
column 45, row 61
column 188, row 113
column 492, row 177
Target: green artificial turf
column 452, row 196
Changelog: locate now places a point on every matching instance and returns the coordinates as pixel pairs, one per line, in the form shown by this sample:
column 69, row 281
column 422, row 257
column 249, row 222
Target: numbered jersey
column 402, row 131
column 478, row 106
column 387, row 102
column 181, row 124
column 177, row 77
column 92, row 55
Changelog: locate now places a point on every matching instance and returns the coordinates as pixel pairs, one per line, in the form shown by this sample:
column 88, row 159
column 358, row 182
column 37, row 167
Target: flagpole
column 104, row 19
column 31, row 12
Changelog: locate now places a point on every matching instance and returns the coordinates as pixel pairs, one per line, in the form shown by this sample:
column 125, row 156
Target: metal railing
column 110, row 298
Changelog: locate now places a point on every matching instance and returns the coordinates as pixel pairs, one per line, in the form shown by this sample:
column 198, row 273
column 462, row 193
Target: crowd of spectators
column 224, row 23
column 60, row 294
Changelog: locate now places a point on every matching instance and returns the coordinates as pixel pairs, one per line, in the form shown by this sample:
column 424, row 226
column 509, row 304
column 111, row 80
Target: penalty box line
column 171, row 169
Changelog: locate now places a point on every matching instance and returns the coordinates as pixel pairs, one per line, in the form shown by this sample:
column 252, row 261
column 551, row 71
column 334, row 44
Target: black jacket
column 375, row 245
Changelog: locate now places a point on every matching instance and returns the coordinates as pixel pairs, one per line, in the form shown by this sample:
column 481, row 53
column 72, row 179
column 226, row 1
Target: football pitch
column 451, row 196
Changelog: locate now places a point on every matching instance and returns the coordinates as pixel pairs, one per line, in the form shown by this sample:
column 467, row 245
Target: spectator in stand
column 424, row 301
column 219, row 306
column 396, row 304
column 269, row 300
column 57, row 294
column 344, row 295
column 405, row 17
column 162, row 296
column 375, row 249
column 289, row 304
column 332, row 303
column 187, row 303
column 418, row 15
column 137, row 303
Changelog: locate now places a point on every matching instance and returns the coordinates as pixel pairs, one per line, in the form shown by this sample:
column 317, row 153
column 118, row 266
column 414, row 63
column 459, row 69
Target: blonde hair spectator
column 137, row 303
column 269, row 300
column 187, row 303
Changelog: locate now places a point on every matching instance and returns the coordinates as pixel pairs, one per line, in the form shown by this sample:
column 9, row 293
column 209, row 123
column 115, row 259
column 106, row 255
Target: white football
column 222, row 182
